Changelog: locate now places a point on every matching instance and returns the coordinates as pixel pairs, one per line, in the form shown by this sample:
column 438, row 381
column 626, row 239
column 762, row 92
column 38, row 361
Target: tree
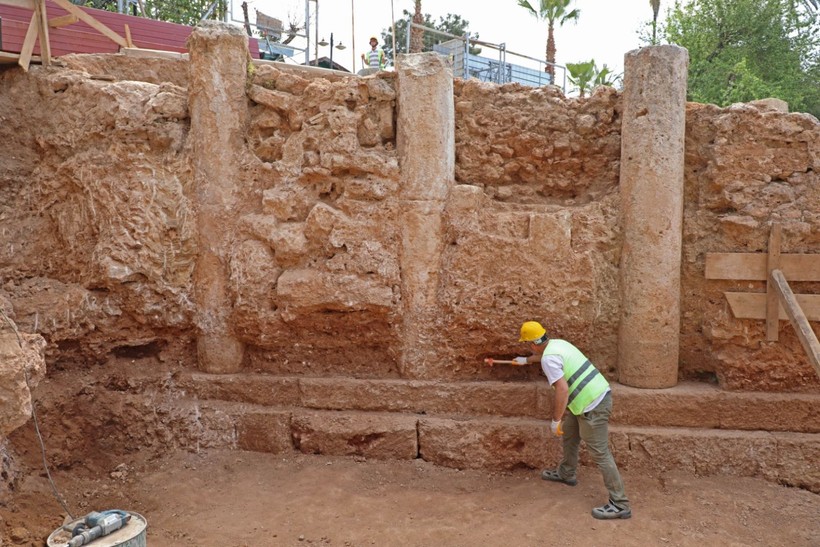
column 451, row 24
column 741, row 50
column 656, row 7
column 184, row 12
column 552, row 11
column 585, row 76
column 417, row 34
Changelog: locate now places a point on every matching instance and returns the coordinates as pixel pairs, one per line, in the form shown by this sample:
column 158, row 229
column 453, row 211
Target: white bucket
column 130, row 535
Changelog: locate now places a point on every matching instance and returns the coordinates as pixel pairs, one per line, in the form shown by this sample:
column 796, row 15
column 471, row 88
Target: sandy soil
column 244, row 499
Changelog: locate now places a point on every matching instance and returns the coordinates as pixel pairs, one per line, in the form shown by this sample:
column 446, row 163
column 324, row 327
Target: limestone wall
column 98, row 241
column 746, row 167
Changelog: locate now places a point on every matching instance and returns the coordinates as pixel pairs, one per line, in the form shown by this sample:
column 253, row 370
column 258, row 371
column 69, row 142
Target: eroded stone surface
column 22, row 367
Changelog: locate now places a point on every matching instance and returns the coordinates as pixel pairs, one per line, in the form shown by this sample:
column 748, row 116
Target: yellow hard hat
column 532, row 331
column 373, row 38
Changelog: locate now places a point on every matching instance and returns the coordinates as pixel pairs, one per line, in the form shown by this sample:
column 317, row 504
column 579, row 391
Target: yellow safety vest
column 585, row 382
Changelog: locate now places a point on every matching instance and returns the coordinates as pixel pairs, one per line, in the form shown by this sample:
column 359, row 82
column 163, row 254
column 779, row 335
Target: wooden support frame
column 42, row 32
column 778, row 302
column 91, row 22
column 28, row 42
column 772, row 264
column 798, row 319
column 62, row 21
column 38, row 29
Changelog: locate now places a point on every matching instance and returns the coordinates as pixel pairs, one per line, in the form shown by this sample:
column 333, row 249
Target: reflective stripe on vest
column 585, row 382
column 374, row 58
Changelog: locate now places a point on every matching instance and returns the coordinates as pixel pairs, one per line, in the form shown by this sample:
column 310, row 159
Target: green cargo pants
column 593, row 428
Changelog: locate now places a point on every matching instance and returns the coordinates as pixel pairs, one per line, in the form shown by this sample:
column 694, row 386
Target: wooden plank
column 128, row 36
column 62, row 21
column 90, row 21
column 798, row 319
column 772, row 301
column 42, row 31
column 28, row 43
column 153, row 53
column 25, row 4
column 7, row 58
column 747, row 305
column 752, row 266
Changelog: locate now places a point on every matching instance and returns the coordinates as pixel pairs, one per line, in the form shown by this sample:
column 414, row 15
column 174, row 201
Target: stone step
column 500, row 443
column 689, row 404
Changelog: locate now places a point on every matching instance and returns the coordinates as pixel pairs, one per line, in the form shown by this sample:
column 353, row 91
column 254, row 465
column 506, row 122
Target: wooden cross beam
column 797, row 318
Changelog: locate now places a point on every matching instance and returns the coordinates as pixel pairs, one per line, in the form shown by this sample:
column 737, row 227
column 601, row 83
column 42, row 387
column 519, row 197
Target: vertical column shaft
column 652, row 161
column 426, row 147
column 218, row 109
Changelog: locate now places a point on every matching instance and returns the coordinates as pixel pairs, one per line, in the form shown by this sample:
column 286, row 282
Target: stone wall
column 746, row 167
column 98, row 210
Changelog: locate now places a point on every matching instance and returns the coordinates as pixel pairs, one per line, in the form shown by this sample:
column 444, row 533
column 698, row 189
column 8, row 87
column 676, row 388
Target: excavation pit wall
column 372, row 244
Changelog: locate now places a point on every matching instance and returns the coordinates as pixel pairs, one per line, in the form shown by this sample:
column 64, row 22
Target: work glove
column 555, row 427
column 520, row 360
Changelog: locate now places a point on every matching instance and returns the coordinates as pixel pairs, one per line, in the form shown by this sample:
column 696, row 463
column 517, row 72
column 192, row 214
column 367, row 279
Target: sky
column 605, row 31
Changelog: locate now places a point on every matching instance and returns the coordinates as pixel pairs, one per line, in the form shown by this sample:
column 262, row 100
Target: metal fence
column 504, row 67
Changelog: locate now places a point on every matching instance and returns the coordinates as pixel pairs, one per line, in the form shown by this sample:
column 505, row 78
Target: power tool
column 97, row 524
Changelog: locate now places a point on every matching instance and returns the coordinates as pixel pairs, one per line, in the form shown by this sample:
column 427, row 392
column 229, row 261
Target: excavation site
column 246, row 304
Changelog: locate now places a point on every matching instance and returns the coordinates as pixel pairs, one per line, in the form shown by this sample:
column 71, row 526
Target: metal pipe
column 307, row 32
column 353, row 34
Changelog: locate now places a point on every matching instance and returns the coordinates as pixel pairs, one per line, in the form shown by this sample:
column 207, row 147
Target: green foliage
column 552, row 11
column 451, row 24
column 581, row 75
column 184, row 12
column 742, row 50
column 585, row 76
column 107, row 5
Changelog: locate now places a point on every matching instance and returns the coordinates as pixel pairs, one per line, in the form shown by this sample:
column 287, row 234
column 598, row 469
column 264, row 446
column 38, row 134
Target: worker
column 375, row 57
column 582, row 405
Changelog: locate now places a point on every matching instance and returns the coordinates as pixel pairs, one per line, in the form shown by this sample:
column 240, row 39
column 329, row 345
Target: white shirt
column 553, row 367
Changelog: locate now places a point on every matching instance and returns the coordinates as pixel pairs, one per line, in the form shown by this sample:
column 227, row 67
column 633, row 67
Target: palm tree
column 656, row 7
column 551, row 11
column 417, row 34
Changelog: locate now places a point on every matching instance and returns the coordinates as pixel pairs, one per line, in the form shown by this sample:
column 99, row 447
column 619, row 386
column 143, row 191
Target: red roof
column 80, row 38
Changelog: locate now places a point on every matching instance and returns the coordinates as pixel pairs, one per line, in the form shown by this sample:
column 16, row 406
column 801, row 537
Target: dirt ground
column 244, row 499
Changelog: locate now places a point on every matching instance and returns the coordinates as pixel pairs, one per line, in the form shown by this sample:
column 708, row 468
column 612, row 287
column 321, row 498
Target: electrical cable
column 34, row 417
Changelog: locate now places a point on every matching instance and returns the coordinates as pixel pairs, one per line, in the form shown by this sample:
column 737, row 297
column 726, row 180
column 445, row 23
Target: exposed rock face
column 363, row 271
column 746, row 168
column 534, row 232
column 314, row 279
column 98, row 242
column 21, row 369
column 525, row 145
column 99, row 239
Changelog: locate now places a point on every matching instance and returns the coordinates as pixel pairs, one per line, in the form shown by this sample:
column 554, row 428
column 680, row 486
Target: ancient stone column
column 426, row 147
column 218, row 108
column 652, row 148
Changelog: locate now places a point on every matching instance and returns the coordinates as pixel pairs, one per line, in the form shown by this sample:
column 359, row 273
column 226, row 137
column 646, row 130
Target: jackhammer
column 97, row 524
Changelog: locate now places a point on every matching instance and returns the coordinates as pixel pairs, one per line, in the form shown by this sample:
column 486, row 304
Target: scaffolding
column 497, row 70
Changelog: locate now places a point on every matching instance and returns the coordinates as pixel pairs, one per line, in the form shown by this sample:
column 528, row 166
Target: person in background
column 582, row 405
column 375, row 57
